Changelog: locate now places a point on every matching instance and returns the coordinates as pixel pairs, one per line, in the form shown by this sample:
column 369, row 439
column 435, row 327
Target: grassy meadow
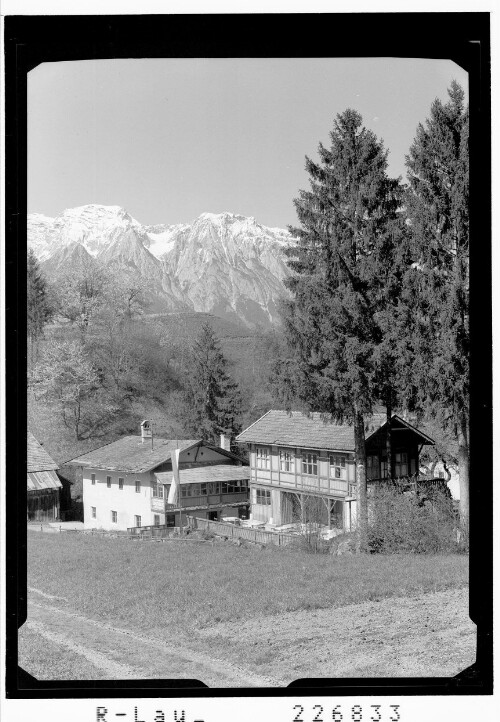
column 178, row 587
column 39, row 654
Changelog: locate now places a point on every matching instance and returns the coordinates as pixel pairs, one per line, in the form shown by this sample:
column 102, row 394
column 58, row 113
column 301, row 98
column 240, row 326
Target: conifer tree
column 343, row 276
column 437, row 283
column 39, row 307
column 211, row 401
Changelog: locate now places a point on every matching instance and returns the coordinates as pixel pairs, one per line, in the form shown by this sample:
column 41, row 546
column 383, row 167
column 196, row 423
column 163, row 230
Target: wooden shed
column 43, row 484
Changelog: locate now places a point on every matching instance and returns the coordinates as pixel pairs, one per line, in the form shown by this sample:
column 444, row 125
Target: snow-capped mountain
column 225, row 264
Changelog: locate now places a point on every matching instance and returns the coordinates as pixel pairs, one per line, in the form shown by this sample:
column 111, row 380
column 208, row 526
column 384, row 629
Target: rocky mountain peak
column 222, row 263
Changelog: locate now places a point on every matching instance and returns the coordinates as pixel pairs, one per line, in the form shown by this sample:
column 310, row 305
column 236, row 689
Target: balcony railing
column 187, row 502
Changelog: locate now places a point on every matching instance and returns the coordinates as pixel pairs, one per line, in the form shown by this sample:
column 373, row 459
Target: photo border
column 461, row 37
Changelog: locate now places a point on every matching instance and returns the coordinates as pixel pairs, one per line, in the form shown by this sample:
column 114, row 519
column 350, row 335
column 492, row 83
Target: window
column 92, row 478
column 138, row 487
column 214, row 487
column 108, row 482
column 401, row 463
column 157, row 520
column 337, row 466
column 310, row 464
column 137, row 520
column 263, row 460
column 114, row 517
column 120, row 483
column 286, row 461
column 158, row 490
column 262, row 496
column 234, row 487
column 94, row 512
column 372, row 467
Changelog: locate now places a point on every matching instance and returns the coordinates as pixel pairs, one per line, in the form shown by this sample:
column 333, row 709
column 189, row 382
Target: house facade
column 126, row 483
column 44, row 486
column 213, row 492
column 303, row 467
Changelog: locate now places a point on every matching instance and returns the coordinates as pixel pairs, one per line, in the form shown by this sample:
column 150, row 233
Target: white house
column 126, row 483
column 297, row 458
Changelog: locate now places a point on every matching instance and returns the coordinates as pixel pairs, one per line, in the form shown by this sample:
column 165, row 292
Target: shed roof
column 38, row 458
column 38, row 480
column 201, row 474
column 312, row 431
column 130, row 455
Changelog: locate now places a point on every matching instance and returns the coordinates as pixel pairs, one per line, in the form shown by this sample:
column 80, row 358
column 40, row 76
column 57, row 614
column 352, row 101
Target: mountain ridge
column 225, row 264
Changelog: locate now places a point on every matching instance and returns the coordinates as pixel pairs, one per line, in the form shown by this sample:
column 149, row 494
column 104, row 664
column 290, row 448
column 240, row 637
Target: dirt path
column 426, row 635
column 122, row 654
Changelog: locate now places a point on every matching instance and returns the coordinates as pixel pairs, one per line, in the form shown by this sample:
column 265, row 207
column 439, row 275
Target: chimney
column 146, row 430
column 225, row 442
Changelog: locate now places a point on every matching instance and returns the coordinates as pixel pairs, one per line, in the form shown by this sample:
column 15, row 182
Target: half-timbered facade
column 296, row 458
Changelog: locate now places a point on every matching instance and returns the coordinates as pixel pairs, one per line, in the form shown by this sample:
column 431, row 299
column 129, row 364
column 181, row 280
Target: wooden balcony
column 303, row 483
column 210, row 500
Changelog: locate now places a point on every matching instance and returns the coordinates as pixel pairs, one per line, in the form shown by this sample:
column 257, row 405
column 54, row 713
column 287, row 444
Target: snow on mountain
column 224, row 264
column 161, row 239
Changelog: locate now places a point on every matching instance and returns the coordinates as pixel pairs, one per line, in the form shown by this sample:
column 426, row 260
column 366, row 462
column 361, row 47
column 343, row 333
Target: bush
column 421, row 520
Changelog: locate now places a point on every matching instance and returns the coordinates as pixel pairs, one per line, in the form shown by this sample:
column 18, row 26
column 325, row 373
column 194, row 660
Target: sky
column 169, row 139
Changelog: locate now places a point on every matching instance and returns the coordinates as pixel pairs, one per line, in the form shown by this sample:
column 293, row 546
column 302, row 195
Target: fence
column 240, row 532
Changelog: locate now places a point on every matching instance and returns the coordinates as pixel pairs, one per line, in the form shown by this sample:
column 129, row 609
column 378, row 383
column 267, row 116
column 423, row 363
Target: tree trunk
column 388, row 438
column 463, row 474
column 362, row 510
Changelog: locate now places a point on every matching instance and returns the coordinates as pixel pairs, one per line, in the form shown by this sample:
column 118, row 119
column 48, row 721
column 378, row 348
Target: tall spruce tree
column 211, row 401
column 341, row 282
column 437, row 283
column 39, row 307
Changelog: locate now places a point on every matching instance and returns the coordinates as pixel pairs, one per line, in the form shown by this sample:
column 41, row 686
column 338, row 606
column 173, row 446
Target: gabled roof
column 398, row 422
column 38, row 458
column 38, row 480
column 201, row 474
column 225, row 452
column 311, row 431
column 130, row 455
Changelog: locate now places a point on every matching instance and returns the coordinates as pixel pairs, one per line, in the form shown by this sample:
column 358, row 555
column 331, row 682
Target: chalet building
column 44, row 485
column 294, row 457
column 127, row 483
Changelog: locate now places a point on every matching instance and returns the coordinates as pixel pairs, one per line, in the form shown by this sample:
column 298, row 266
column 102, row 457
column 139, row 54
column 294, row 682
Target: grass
column 44, row 659
column 177, row 588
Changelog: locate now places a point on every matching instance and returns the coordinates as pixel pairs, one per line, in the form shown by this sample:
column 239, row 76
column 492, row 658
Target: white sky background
column 169, row 139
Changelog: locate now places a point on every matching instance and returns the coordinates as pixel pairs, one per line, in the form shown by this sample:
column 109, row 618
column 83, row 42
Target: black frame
column 461, row 37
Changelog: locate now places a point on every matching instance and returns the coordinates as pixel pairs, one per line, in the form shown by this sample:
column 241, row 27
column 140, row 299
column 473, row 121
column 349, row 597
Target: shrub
column 421, row 520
